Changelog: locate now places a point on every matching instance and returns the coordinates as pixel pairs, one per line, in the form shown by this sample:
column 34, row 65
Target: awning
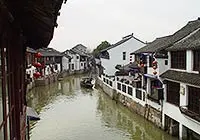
column 32, row 114
column 151, row 76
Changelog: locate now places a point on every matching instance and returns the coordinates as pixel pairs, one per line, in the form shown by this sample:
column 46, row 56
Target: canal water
column 69, row 112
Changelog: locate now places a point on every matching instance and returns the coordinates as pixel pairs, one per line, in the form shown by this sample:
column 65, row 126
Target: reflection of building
column 114, row 115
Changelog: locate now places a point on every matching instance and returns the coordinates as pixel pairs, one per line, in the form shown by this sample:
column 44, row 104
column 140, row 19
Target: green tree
column 103, row 45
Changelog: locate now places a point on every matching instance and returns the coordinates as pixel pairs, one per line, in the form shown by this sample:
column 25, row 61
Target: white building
column 119, row 53
column 76, row 59
column 174, row 77
column 74, row 62
column 52, row 60
column 181, row 107
column 65, row 62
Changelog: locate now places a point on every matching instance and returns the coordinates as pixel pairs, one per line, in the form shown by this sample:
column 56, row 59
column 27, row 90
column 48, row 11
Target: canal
column 69, row 112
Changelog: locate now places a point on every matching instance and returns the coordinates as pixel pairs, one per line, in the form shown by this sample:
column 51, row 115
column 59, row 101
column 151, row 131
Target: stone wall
column 146, row 111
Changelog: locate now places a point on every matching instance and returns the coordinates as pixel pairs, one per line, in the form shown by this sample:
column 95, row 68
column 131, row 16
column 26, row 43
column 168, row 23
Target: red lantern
column 154, row 72
column 154, row 67
column 37, row 75
column 37, row 64
column 154, row 62
column 38, row 55
column 142, row 65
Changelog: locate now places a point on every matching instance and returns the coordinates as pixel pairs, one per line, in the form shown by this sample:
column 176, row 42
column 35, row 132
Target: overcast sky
column 91, row 21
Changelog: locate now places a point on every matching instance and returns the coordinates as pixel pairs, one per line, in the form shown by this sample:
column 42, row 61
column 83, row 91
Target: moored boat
column 88, row 82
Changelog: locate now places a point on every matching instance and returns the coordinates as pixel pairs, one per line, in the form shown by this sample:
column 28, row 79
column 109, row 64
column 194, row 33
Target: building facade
column 119, row 53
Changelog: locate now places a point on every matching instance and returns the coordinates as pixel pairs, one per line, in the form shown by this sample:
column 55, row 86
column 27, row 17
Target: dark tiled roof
column 153, row 46
column 67, row 56
column 163, row 43
column 191, row 42
column 124, row 39
column 49, row 52
column 81, row 53
column 69, row 51
column 78, row 46
column 184, row 77
column 30, row 50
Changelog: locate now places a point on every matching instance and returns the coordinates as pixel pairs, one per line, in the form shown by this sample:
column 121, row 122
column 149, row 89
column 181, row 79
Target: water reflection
column 70, row 112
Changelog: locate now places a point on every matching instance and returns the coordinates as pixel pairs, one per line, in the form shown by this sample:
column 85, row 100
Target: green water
column 69, row 112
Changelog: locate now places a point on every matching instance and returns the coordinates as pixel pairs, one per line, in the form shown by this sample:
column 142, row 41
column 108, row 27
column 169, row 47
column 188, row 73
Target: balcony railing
column 190, row 113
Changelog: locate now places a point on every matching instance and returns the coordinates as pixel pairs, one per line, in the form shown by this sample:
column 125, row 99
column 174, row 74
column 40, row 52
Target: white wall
column 83, row 63
column 75, row 61
column 189, row 61
column 133, row 97
column 30, row 71
column 116, row 56
column 65, row 63
column 48, row 69
column 161, row 65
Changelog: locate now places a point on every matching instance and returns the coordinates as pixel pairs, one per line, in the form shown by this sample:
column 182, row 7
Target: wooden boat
column 88, row 82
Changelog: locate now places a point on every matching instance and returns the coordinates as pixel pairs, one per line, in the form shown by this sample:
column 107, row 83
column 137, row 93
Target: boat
column 88, row 82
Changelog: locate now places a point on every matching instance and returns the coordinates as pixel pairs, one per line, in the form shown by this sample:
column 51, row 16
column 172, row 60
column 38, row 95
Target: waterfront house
column 78, row 59
column 181, row 107
column 66, row 59
column 51, row 60
column 119, row 53
column 84, row 56
column 74, row 62
column 30, row 69
column 154, row 58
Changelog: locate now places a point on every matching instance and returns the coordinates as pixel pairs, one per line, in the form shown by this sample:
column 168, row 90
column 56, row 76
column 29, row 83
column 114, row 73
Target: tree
column 103, row 45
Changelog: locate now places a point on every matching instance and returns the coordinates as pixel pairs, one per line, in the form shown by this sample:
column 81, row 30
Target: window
column 150, row 61
column 173, row 95
column 124, row 88
column 81, row 64
column 56, row 67
column 124, row 55
column 77, row 57
column 166, row 62
column 178, row 60
column 119, row 86
column 72, row 66
column 196, row 60
column 111, row 83
column 194, row 99
column 130, row 91
column 138, row 94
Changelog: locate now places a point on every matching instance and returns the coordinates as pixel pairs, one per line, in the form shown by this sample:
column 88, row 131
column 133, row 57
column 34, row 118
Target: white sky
column 91, row 21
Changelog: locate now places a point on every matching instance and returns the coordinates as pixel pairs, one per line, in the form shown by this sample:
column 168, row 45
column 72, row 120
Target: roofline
column 128, row 37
